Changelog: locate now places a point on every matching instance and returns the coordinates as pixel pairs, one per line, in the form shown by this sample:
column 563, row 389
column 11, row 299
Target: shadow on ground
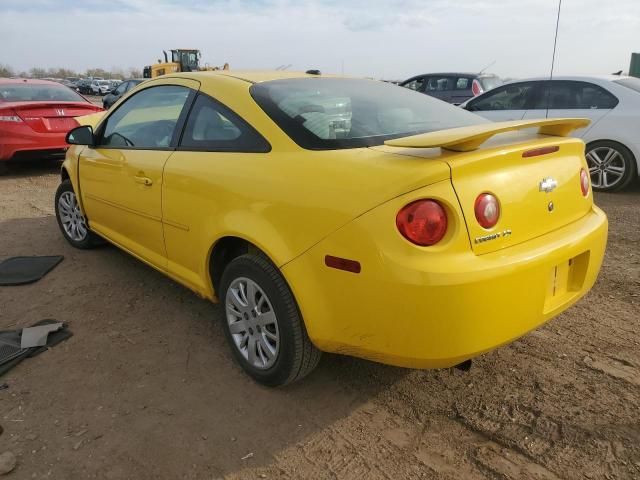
column 146, row 388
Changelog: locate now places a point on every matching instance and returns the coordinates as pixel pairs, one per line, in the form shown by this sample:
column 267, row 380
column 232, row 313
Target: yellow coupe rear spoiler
column 465, row 139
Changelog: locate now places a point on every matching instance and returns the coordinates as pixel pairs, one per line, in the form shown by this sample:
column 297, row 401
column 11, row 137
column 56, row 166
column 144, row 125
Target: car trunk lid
column 52, row 117
column 536, row 178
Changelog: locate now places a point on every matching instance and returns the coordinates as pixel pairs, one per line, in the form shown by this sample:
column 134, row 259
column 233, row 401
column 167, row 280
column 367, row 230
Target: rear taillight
column 423, row 222
column 476, row 88
column 584, row 182
column 487, row 210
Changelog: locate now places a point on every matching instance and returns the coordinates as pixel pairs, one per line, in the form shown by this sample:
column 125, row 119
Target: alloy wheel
column 252, row 323
column 71, row 217
column 606, row 167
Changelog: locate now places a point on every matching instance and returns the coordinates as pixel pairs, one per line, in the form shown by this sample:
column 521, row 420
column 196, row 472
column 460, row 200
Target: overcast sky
column 392, row 40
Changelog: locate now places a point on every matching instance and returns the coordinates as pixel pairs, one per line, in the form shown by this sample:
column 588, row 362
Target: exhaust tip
column 464, row 366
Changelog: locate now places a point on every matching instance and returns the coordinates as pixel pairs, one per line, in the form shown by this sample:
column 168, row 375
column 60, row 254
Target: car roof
column 466, row 74
column 254, row 76
column 596, row 78
column 28, row 81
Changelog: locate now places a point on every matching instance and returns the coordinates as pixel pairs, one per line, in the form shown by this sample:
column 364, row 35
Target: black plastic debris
column 11, row 352
column 23, row 270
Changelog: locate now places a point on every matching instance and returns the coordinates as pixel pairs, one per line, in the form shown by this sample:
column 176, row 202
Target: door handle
column 143, row 180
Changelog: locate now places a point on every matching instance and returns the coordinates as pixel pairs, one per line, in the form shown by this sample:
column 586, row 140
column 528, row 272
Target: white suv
column 101, row 87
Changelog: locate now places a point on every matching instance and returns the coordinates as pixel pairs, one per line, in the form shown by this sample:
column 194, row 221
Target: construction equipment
column 182, row 60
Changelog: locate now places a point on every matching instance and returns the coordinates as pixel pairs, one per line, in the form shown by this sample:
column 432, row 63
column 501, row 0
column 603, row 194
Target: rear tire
column 71, row 220
column 612, row 166
column 263, row 324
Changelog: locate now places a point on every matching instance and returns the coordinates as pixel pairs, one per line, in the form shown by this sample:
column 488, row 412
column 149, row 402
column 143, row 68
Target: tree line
column 114, row 73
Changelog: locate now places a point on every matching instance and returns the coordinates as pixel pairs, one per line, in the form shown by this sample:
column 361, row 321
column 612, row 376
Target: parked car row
column 96, row 86
column 612, row 103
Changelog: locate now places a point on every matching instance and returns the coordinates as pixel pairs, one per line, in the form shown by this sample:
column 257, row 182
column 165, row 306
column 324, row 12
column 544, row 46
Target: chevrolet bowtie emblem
column 548, row 184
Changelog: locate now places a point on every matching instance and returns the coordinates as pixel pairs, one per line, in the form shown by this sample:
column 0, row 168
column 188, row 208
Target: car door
column 121, row 175
column 569, row 98
column 204, row 181
column 507, row 102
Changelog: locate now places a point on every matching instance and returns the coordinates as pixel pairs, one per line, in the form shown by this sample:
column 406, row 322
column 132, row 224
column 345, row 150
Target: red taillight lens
column 584, row 182
column 423, row 222
column 476, row 88
column 487, row 210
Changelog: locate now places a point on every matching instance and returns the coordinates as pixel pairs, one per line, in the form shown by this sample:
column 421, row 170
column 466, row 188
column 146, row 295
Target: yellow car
column 339, row 214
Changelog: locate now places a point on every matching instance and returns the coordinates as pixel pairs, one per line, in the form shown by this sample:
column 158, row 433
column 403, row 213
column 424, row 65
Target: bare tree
column 134, row 72
column 6, row 71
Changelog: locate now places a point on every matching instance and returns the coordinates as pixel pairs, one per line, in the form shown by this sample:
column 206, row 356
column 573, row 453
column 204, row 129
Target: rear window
column 489, row 82
column 16, row 92
column 632, row 83
column 335, row 113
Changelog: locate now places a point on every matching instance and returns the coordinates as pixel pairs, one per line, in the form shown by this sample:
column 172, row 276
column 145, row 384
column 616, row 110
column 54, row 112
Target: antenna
column 553, row 57
column 488, row 66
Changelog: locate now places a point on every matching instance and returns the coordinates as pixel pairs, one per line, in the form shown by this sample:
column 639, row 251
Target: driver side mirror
column 82, row 135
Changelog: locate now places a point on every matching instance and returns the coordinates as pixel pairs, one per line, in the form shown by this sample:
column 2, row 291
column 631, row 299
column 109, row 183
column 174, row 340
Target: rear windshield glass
column 333, row 113
column 490, row 82
column 632, row 83
column 37, row 93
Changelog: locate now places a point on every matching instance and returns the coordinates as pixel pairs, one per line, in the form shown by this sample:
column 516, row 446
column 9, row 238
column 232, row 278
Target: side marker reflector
column 540, row 151
column 342, row 264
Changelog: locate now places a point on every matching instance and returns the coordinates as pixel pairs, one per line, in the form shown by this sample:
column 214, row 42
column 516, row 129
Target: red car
column 35, row 116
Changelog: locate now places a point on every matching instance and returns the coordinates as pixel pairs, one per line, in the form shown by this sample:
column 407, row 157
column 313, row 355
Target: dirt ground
column 146, row 388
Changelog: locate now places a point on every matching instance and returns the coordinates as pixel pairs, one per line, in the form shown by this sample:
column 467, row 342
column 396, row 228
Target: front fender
column 69, row 169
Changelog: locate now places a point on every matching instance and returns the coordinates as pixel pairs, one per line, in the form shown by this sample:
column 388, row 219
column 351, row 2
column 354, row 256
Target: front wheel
column 611, row 166
column 263, row 324
column 71, row 220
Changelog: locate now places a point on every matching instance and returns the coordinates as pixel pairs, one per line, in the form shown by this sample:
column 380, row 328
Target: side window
column 463, row 83
column 213, row 127
column 415, row 84
column 121, row 88
column 439, row 84
column 131, row 85
column 147, row 119
column 594, row 96
column 569, row 95
column 515, row 96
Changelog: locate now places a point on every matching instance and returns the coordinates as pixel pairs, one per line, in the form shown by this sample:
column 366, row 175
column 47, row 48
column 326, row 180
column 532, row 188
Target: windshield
column 15, row 92
column 104, row 82
column 333, row 113
column 632, row 83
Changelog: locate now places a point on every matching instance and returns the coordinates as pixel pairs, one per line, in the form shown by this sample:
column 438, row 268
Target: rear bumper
column 437, row 310
column 22, row 142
